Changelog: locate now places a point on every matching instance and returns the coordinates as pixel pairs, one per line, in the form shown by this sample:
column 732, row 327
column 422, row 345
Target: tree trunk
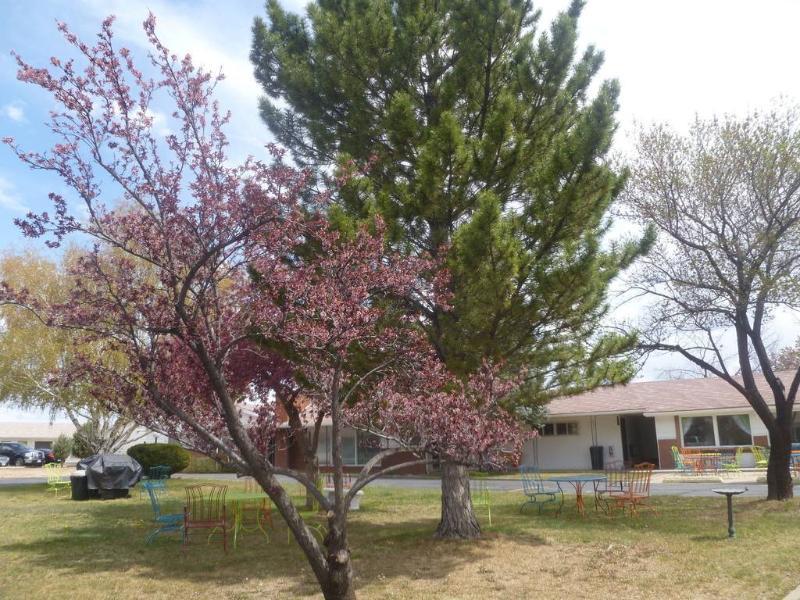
column 779, row 476
column 312, row 472
column 458, row 519
column 340, row 568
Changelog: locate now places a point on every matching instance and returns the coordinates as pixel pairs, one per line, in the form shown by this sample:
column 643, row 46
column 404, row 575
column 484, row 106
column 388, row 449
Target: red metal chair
column 261, row 510
column 205, row 510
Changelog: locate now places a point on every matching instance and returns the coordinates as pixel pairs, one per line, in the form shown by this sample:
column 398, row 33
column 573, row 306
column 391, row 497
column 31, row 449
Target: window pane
column 698, row 431
column 349, row 447
column 561, row 428
column 734, row 430
column 572, row 428
column 548, row 429
column 323, row 447
column 368, row 446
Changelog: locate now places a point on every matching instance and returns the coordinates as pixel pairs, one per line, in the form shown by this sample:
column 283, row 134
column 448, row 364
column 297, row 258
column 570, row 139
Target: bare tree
column 725, row 200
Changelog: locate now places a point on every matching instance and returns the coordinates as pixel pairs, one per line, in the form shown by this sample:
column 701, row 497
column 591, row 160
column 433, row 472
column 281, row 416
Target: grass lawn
column 84, row 550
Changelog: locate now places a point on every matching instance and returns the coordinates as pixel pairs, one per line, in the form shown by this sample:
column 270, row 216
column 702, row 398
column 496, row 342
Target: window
column 41, row 445
column 698, row 431
column 558, row 429
column 722, row 430
column 734, row 430
column 357, row 446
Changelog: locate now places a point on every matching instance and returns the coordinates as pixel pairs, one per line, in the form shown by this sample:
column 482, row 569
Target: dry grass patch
column 96, row 549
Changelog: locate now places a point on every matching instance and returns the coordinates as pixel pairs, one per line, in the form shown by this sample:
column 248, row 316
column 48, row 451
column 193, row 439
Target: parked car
column 20, row 455
column 49, row 456
column 4, row 460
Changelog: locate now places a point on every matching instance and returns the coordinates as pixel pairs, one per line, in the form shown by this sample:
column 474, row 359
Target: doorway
column 639, row 442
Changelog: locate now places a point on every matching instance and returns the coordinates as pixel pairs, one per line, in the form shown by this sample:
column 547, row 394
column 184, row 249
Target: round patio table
column 577, row 482
column 237, row 501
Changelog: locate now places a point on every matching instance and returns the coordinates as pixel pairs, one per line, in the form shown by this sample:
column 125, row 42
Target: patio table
column 237, row 501
column 577, row 482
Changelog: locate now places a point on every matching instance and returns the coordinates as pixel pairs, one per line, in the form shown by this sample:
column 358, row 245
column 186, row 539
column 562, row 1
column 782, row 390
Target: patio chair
column 158, row 476
column 57, row 480
column 165, row 523
column 761, row 456
column 205, row 510
column 680, row 463
column 616, row 474
column 636, row 489
column 480, row 496
column 729, row 461
column 257, row 511
column 533, row 486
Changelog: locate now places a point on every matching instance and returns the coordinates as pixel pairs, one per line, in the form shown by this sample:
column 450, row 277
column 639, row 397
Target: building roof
column 669, row 396
column 31, row 430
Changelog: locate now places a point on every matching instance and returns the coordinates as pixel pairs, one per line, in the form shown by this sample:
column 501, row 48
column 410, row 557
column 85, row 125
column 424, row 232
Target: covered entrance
column 639, row 442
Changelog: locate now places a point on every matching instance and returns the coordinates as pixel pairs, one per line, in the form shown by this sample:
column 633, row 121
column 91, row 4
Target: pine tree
column 487, row 149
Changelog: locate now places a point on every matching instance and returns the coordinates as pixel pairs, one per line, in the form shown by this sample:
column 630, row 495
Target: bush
column 151, row 455
column 80, row 441
column 201, row 463
column 62, row 447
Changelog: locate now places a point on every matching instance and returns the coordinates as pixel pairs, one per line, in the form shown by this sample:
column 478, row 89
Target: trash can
column 596, row 454
column 80, row 485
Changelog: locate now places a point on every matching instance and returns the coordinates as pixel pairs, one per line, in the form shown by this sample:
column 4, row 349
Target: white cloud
column 13, row 111
column 9, row 199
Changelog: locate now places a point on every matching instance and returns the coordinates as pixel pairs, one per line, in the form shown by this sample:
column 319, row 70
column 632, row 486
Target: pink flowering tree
column 197, row 262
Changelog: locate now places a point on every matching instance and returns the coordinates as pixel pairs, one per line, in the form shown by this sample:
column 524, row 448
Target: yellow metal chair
column 57, row 480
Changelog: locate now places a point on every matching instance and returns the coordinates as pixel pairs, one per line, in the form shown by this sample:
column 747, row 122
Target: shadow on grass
column 102, row 538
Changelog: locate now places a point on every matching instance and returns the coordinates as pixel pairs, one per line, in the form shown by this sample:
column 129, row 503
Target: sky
column 674, row 59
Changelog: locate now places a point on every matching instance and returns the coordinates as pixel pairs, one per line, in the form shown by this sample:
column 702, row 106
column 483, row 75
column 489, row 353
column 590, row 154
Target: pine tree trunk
column 779, row 476
column 458, row 519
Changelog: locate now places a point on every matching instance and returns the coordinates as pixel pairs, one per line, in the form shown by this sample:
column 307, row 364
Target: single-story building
column 42, row 434
column 642, row 422
column 35, row 435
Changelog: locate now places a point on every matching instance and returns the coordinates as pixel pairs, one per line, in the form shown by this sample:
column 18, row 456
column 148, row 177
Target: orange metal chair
column 636, row 489
column 205, row 510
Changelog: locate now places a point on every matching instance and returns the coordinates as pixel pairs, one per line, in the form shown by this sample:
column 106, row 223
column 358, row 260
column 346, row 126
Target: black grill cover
column 111, row 471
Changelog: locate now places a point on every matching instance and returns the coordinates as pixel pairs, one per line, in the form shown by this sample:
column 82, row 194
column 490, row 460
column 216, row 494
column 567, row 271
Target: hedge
column 151, row 455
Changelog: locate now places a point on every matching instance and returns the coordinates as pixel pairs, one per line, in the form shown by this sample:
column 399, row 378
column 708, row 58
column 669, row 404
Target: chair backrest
column 677, row 458
column 615, row 473
column 206, row 502
column 639, row 479
column 55, row 473
column 153, row 498
column 251, row 485
column 160, row 472
column 531, row 479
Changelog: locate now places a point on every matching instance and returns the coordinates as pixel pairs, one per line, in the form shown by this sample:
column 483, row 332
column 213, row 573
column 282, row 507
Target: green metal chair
column 56, row 478
column 680, row 464
column 730, row 461
column 761, row 456
column 533, row 486
column 164, row 523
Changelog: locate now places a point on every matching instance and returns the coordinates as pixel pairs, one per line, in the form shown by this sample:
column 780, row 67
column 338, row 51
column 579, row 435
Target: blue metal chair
column 533, row 486
column 165, row 523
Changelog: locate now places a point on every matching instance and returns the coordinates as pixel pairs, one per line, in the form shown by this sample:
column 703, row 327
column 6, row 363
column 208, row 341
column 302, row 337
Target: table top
column 729, row 491
column 575, row 478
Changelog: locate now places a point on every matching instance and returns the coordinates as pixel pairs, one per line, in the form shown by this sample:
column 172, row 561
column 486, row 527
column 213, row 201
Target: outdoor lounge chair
column 761, row 456
column 615, row 473
column 680, row 464
column 636, row 489
column 164, row 523
column 205, row 510
column 533, row 486
column 57, row 480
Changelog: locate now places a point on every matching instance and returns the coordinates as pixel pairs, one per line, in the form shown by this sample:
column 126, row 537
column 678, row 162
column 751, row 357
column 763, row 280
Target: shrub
column 151, row 455
column 80, row 441
column 62, row 447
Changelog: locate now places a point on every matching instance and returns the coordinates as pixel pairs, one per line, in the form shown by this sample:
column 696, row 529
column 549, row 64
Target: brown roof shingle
column 674, row 395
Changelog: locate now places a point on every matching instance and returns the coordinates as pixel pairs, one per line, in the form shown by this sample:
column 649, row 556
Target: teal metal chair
column 533, row 486
column 164, row 523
